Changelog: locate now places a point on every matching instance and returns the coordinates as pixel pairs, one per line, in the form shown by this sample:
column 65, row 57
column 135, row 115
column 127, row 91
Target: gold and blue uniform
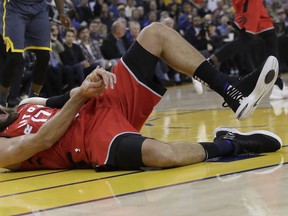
column 25, row 25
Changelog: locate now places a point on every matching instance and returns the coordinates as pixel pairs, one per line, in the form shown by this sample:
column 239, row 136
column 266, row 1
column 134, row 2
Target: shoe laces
column 248, row 147
column 229, row 136
column 234, row 94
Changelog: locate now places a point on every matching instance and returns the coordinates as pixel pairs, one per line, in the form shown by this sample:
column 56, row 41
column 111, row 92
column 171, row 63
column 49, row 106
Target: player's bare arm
column 15, row 150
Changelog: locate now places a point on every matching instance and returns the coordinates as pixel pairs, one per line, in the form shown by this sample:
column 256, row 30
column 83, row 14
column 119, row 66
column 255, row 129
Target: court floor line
column 33, row 176
column 65, row 185
column 75, row 183
column 151, row 189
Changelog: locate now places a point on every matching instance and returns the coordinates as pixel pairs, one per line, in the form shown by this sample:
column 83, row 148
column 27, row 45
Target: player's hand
column 108, row 78
column 97, row 82
column 65, row 20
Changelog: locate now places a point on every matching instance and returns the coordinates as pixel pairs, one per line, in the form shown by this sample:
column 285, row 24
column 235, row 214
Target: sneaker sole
column 264, row 84
column 262, row 132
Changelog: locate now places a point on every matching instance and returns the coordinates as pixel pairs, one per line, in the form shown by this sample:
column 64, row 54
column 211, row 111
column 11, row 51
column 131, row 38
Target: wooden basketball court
column 252, row 185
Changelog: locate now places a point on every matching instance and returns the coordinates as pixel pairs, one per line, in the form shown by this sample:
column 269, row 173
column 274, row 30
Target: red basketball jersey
column 87, row 142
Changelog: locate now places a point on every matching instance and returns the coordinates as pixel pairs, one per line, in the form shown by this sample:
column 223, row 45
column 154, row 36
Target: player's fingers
column 112, row 80
column 105, row 76
column 93, row 76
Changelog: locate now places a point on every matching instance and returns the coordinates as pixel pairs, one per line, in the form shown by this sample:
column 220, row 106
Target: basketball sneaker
column 244, row 95
column 258, row 141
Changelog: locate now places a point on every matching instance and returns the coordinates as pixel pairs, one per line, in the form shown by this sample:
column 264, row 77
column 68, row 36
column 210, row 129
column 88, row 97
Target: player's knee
column 42, row 56
column 155, row 29
column 158, row 154
column 15, row 58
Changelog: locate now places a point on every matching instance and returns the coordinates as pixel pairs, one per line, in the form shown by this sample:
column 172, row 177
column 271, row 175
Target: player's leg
column 267, row 32
column 13, row 48
column 159, row 154
column 39, row 41
column 246, row 21
column 279, row 91
column 242, row 97
column 135, row 151
column 228, row 141
column 241, row 44
column 165, row 43
column 39, row 72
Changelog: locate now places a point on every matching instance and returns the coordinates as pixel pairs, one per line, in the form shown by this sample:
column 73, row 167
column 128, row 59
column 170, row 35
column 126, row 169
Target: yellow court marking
column 120, row 185
column 47, row 190
column 60, row 179
column 6, row 175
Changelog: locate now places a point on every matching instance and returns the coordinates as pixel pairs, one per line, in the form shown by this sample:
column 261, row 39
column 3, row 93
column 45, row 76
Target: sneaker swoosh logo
column 256, row 103
column 242, row 111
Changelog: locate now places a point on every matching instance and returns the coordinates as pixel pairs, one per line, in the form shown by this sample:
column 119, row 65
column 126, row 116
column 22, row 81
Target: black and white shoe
column 258, row 141
column 244, row 95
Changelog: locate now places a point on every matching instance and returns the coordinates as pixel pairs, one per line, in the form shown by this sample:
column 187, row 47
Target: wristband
column 58, row 101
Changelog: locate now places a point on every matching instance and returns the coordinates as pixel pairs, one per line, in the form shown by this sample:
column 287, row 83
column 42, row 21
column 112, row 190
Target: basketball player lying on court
column 97, row 125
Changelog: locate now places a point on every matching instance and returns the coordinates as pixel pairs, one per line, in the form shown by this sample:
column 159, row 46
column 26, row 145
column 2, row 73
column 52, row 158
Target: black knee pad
column 42, row 56
column 41, row 65
column 15, row 58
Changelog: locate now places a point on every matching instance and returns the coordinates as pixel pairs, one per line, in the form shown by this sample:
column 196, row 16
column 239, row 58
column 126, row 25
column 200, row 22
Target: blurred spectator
column 73, row 60
column 196, row 33
column 106, row 16
column 169, row 75
column 54, row 83
column 115, row 44
column 216, row 17
column 134, row 30
column 183, row 22
column 121, row 12
column 84, row 12
column 135, row 16
column 141, row 12
column 204, row 9
column 224, row 28
column 152, row 17
column 113, row 8
column 130, row 6
column 174, row 10
column 153, row 7
column 74, row 18
column 281, row 23
column 97, row 30
column 92, row 52
column 97, row 9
